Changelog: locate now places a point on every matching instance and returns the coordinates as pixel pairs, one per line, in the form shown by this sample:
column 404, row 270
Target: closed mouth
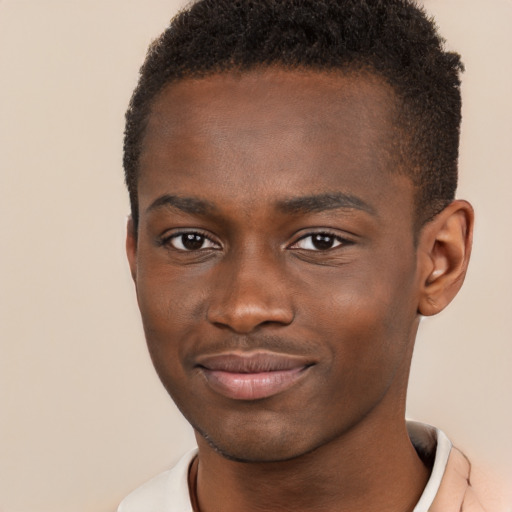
column 252, row 376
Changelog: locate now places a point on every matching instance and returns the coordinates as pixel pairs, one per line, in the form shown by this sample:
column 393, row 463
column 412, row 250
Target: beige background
column 83, row 418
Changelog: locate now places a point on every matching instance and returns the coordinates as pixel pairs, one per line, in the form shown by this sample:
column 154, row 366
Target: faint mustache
column 253, row 343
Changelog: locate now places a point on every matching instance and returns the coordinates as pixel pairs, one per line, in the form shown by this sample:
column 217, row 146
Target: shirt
column 447, row 490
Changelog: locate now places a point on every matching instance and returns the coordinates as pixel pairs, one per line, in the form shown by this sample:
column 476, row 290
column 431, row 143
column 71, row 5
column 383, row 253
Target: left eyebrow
column 191, row 205
column 322, row 202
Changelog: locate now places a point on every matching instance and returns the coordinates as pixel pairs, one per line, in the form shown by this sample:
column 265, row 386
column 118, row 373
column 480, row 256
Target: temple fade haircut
column 392, row 39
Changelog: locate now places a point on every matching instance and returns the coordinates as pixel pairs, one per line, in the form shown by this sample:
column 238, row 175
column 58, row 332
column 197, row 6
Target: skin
column 255, row 165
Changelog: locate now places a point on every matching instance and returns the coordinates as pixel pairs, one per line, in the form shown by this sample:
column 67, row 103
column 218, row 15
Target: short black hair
column 393, row 39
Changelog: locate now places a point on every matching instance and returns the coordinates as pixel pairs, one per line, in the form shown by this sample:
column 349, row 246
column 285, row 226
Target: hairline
column 358, row 69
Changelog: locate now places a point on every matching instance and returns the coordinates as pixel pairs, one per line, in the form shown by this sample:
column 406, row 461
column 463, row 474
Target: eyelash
column 168, row 241
column 326, row 234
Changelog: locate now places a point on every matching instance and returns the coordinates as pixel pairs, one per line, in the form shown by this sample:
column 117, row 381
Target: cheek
column 170, row 314
column 367, row 335
column 170, row 308
column 366, row 317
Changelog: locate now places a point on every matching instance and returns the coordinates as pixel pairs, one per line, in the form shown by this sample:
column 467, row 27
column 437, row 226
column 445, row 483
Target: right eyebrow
column 191, row 205
column 323, row 202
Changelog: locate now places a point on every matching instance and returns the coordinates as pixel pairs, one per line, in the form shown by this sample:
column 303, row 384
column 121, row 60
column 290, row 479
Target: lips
column 252, row 376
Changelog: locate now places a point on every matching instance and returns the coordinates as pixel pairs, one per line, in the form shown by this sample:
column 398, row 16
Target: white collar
column 168, row 491
column 430, row 442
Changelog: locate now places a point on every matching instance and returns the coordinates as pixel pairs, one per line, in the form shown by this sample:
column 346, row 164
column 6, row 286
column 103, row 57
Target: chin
column 260, row 447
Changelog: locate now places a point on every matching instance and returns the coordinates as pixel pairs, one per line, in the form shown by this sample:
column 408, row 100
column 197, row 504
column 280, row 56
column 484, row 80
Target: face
column 275, row 265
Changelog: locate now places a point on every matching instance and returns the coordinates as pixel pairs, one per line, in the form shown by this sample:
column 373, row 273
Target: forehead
column 265, row 130
column 300, row 104
column 317, row 92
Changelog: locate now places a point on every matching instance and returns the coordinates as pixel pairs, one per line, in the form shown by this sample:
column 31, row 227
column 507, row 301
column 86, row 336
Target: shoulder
column 455, row 483
column 166, row 492
column 467, row 486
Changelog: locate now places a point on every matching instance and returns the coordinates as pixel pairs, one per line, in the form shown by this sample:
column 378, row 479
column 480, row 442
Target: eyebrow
column 322, row 202
column 189, row 205
column 293, row 205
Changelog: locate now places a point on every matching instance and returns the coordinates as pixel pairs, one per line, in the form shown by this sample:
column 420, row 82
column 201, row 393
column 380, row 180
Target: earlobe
column 131, row 247
column 444, row 249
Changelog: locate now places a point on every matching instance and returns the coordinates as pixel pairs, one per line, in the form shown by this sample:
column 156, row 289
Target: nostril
column 246, row 319
column 250, row 292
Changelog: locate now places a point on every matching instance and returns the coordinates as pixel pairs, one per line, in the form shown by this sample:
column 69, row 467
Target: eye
column 318, row 242
column 191, row 242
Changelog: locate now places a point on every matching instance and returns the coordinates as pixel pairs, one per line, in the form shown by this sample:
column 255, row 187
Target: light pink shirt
column 449, row 489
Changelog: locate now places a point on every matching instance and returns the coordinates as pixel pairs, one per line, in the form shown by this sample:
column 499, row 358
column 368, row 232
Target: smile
column 252, row 376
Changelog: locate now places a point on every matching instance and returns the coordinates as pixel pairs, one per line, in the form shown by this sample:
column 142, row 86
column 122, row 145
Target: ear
column 444, row 249
column 131, row 247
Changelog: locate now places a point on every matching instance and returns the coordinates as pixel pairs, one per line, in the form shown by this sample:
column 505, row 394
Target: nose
column 250, row 293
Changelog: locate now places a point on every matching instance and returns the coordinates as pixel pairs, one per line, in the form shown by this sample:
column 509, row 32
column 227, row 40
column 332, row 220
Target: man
column 292, row 168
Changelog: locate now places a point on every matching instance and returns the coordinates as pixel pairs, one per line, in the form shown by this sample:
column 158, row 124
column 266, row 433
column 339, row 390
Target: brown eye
column 318, row 242
column 323, row 242
column 191, row 242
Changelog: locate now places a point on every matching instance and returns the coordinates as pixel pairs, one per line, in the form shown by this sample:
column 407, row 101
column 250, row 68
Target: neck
column 367, row 468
